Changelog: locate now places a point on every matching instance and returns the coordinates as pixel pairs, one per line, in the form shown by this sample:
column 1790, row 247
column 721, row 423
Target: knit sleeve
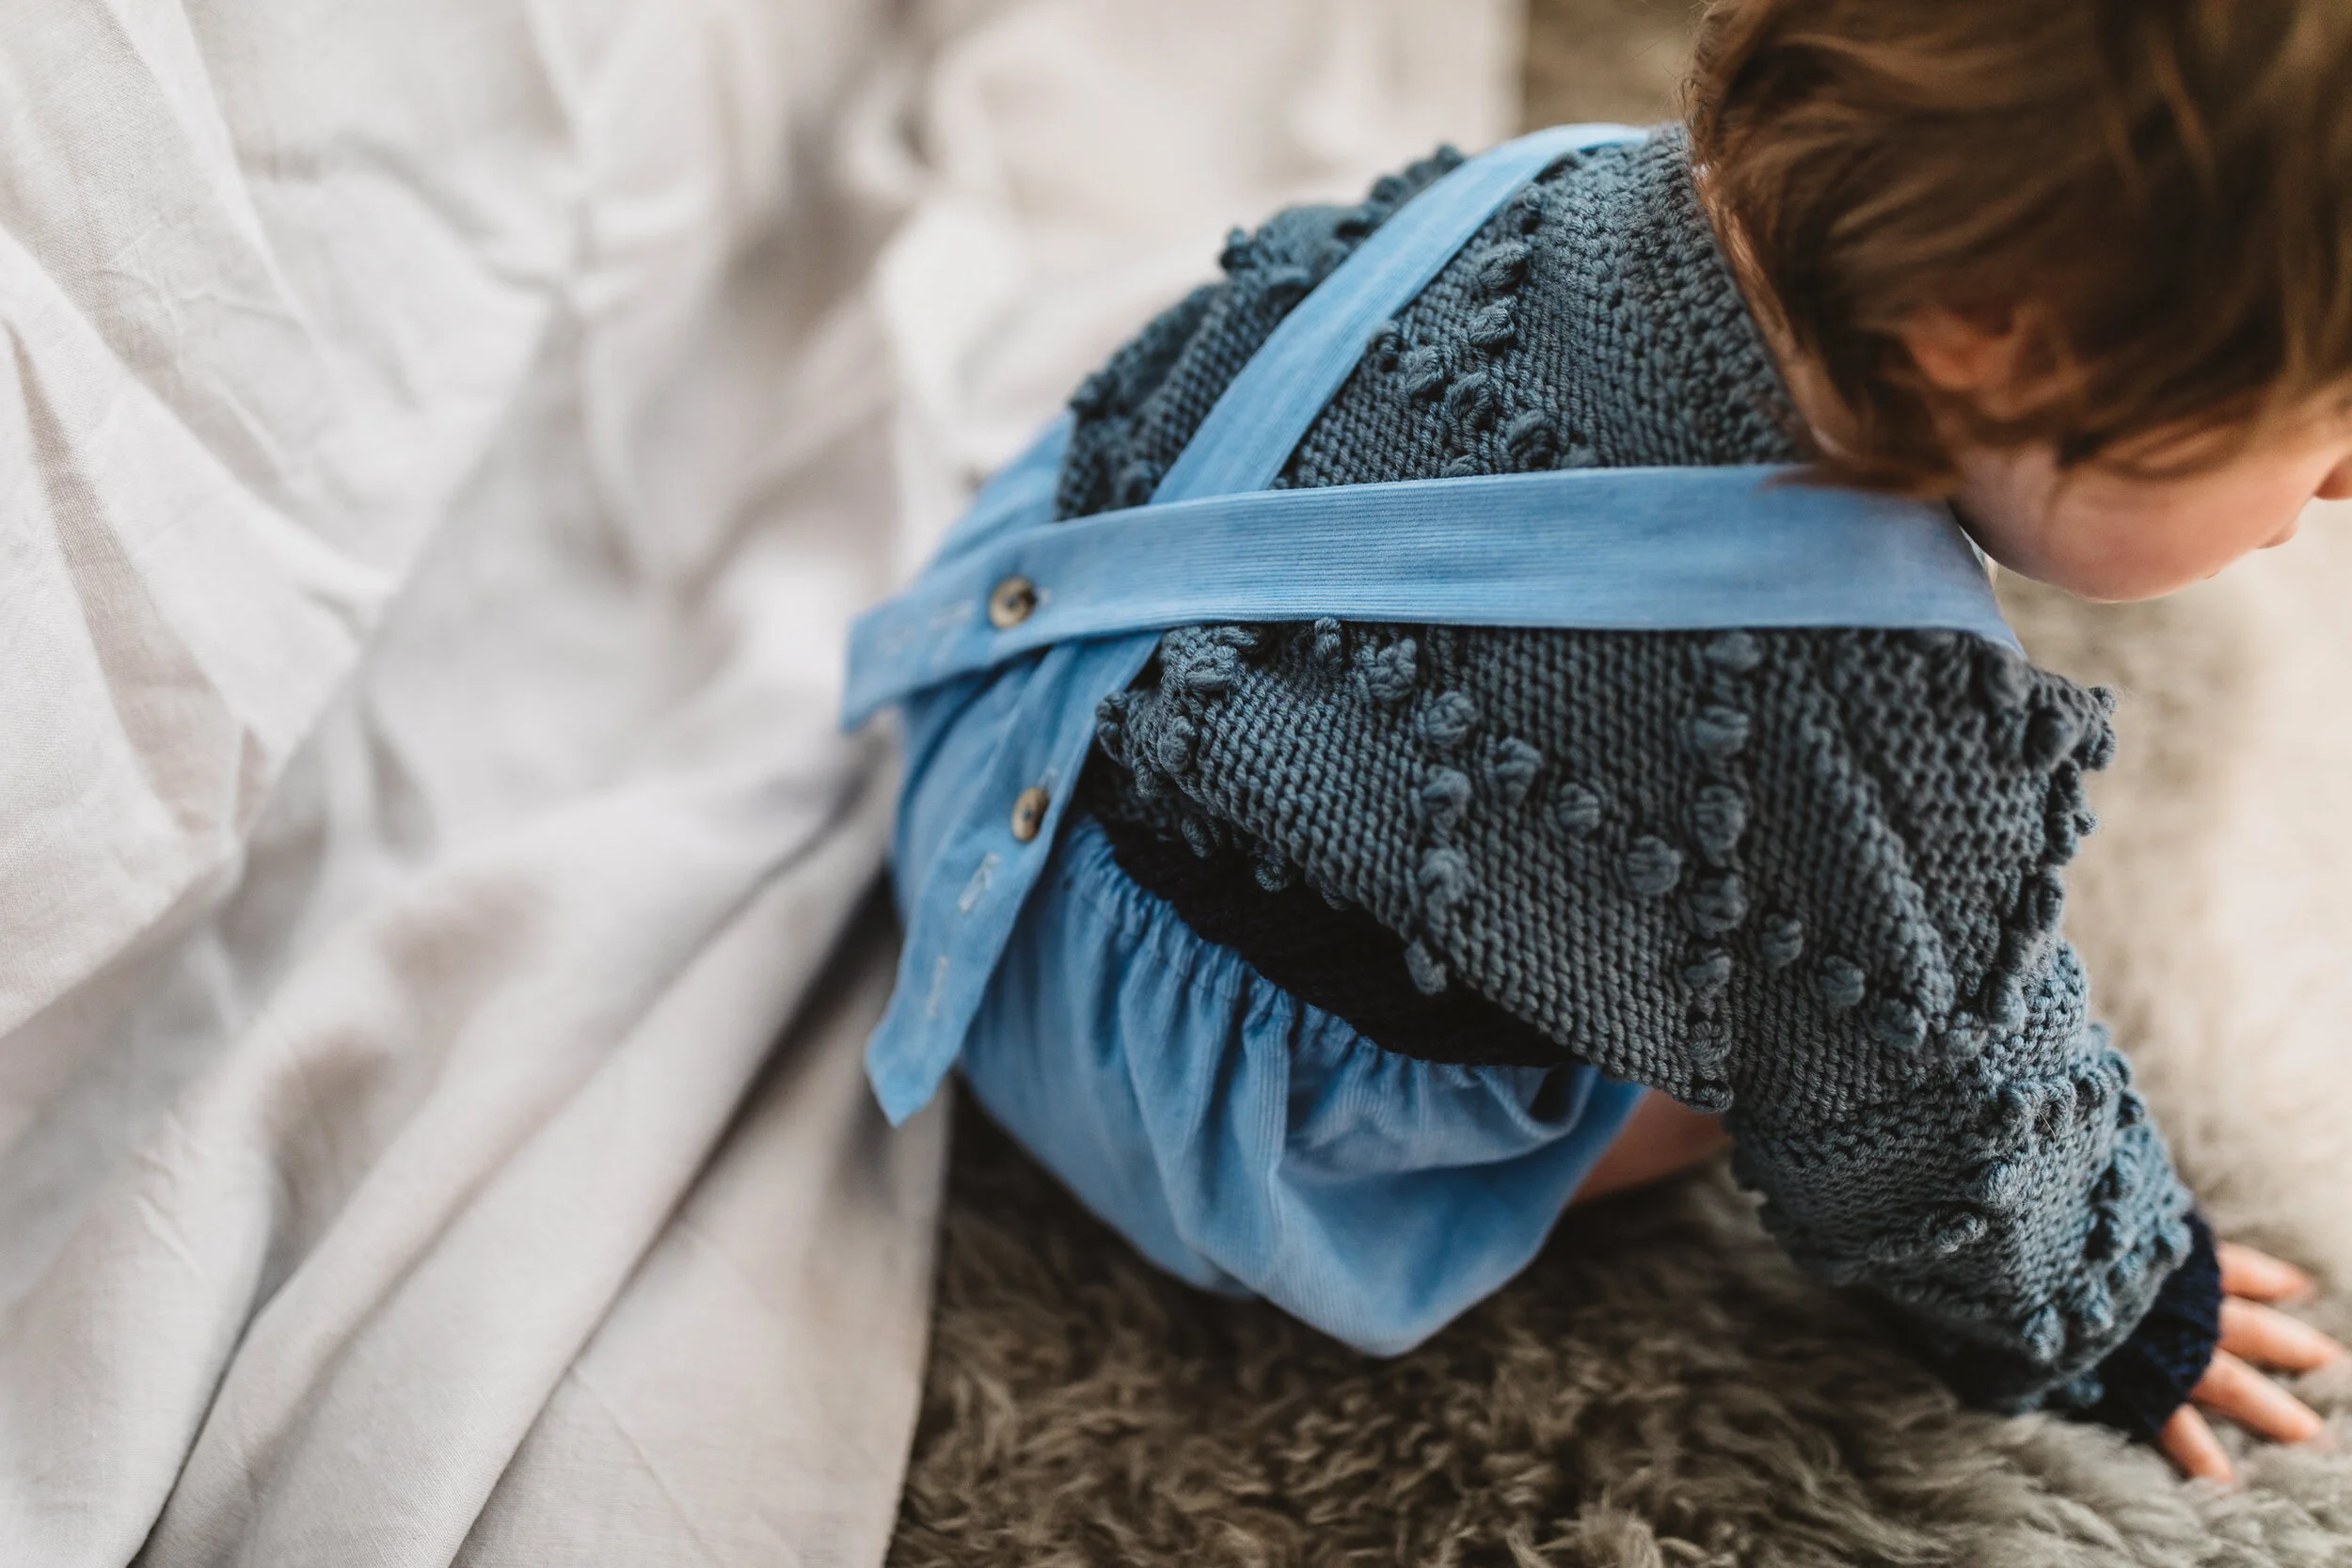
column 2019, row 1213
column 1964, row 1141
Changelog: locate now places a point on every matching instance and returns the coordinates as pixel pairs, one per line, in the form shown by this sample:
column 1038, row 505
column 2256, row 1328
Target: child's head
column 2086, row 264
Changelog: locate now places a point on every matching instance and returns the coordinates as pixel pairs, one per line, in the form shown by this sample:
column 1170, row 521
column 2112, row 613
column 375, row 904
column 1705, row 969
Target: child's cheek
column 2143, row 539
column 2105, row 535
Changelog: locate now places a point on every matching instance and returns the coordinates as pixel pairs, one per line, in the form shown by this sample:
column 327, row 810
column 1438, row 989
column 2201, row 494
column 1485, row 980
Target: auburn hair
column 2164, row 186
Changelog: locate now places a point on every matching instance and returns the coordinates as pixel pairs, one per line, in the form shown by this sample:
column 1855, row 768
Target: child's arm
column 2016, row 1207
column 1958, row 1138
column 2066, row 1194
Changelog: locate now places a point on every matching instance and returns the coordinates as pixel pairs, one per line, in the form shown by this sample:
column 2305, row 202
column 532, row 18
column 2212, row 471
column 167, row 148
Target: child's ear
column 1975, row 354
column 2337, row 486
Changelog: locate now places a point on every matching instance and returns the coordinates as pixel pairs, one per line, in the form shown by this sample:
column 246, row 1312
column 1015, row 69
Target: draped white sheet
column 441, row 444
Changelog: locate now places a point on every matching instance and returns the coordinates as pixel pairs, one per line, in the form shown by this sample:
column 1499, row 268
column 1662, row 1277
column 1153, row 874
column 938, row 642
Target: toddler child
column 1364, row 943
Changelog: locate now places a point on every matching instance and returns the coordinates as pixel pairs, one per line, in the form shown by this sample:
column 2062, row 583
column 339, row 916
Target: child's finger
column 2268, row 1338
column 2189, row 1443
column 2259, row 1277
column 2234, row 1389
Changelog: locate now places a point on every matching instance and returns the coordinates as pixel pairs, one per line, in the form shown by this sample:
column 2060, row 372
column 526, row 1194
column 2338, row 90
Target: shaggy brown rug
column 1661, row 1387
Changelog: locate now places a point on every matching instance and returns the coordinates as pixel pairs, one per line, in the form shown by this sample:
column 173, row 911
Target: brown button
column 1013, row 602
column 1029, row 813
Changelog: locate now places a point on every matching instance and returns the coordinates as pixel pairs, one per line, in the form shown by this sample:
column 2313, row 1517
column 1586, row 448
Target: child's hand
column 2252, row 1336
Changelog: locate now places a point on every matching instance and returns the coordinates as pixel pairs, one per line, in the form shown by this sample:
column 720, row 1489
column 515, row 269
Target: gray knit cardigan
column 1808, row 879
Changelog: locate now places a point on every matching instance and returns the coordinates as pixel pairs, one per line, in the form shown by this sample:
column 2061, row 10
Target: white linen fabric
column 441, row 448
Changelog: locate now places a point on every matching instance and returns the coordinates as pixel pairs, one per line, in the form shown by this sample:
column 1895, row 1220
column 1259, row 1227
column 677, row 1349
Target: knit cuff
column 2148, row 1376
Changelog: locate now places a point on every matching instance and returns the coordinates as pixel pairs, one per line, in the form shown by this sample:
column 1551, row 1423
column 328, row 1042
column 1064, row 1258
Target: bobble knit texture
column 1809, row 878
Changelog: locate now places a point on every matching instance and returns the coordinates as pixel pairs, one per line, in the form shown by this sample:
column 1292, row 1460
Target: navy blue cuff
column 2147, row 1377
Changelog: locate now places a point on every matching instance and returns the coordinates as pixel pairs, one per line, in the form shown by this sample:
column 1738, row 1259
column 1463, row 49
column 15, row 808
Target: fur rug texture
column 1661, row 1387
